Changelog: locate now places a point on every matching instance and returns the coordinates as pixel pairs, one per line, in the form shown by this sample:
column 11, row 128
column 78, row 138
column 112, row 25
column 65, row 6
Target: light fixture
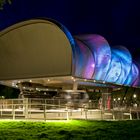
column 134, row 95
column 72, row 78
column 13, row 84
column 93, row 65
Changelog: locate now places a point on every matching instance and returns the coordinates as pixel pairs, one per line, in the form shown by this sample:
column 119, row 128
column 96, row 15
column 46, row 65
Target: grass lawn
column 70, row 130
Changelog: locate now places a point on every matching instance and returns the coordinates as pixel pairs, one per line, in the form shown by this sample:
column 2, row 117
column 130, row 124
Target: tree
column 8, row 92
column 3, row 2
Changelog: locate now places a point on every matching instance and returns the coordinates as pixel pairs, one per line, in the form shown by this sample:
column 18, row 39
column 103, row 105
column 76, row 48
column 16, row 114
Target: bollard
column 113, row 115
column 130, row 114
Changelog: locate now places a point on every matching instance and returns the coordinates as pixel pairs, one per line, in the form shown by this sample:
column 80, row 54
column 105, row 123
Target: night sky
column 117, row 20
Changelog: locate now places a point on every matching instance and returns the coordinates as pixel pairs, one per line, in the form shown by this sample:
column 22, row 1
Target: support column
column 75, row 85
column 21, row 92
column 66, row 87
column 106, row 99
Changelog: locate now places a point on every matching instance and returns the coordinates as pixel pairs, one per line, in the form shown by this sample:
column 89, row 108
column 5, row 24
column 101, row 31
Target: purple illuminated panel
column 101, row 51
column 84, row 61
column 137, row 81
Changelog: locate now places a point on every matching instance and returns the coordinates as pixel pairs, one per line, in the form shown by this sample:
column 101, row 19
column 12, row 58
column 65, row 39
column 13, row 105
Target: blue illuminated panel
column 132, row 77
column 126, row 62
column 102, row 54
column 65, row 30
column 114, row 70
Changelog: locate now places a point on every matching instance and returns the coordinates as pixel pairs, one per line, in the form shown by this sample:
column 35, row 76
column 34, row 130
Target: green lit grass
column 70, row 130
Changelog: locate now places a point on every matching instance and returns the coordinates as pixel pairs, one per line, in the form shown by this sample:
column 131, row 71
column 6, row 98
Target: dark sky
column 117, row 20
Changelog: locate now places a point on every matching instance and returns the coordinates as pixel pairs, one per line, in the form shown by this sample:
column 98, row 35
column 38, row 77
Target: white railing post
column 138, row 115
column 45, row 111
column 1, row 110
column 67, row 113
column 26, row 107
column 85, row 108
column 13, row 111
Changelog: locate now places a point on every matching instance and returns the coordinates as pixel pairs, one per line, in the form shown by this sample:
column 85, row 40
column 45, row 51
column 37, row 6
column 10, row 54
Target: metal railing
column 52, row 109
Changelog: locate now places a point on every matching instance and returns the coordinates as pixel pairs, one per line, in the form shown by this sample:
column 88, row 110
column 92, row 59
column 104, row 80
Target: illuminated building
column 44, row 50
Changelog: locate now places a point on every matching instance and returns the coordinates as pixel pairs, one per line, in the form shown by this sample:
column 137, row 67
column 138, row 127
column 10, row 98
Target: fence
column 60, row 109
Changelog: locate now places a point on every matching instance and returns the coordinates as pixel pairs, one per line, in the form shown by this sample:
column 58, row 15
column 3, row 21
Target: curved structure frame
column 42, row 48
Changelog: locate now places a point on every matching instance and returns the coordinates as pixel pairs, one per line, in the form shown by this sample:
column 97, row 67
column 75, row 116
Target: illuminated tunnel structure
column 84, row 56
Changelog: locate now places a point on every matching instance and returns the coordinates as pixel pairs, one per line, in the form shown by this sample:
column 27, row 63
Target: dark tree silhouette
column 8, row 92
column 3, row 2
